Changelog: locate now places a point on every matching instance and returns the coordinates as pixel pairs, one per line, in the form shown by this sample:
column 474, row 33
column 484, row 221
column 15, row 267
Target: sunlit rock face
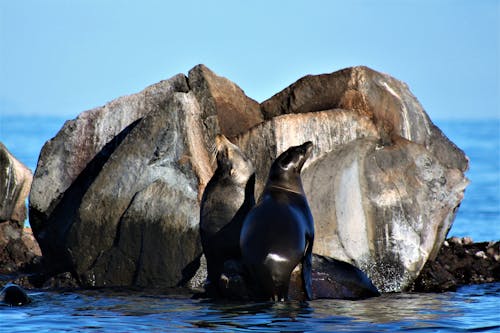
column 115, row 197
column 385, row 209
column 15, row 182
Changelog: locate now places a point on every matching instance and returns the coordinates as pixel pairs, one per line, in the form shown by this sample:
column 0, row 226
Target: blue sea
column 469, row 309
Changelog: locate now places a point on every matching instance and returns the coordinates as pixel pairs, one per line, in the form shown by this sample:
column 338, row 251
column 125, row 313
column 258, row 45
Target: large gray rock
column 386, row 209
column 115, row 198
column 145, row 196
column 70, row 162
column 83, row 145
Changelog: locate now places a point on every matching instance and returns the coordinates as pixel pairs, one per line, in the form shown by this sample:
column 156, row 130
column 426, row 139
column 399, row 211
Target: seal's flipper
column 307, row 271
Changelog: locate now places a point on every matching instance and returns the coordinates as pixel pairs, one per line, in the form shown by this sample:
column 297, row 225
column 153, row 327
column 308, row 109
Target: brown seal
column 227, row 199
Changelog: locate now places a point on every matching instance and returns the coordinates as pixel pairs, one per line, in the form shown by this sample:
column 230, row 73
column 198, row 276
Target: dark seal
column 333, row 279
column 227, row 199
column 278, row 233
column 14, row 295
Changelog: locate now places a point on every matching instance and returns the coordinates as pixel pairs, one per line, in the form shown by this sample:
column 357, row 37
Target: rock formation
column 16, row 250
column 384, row 182
column 123, row 208
column 115, row 197
column 460, row 262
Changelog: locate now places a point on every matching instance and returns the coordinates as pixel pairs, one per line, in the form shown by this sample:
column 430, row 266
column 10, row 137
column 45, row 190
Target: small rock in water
column 481, row 254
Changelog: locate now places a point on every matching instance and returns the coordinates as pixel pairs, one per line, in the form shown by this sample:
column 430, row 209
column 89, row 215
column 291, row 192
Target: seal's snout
column 220, row 142
column 307, row 148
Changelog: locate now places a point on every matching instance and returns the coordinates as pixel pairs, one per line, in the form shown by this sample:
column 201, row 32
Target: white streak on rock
column 405, row 130
column 350, row 212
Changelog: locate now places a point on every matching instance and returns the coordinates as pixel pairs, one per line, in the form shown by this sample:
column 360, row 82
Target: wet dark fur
column 280, row 226
column 14, row 295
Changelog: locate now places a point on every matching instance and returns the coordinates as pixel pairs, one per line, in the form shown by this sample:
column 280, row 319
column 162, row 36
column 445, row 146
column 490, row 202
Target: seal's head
column 285, row 170
column 231, row 161
column 14, row 295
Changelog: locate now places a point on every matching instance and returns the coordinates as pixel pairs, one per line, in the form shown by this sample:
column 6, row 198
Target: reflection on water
column 473, row 308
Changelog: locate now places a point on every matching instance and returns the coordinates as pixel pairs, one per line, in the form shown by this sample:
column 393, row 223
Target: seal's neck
column 280, row 188
column 289, row 186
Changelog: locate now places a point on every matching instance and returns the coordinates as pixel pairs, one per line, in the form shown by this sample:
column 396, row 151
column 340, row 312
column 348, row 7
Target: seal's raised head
column 228, row 197
column 285, row 170
column 231, row 162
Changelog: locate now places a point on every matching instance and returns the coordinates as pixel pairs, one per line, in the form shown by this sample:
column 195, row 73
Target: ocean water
column 469, row 309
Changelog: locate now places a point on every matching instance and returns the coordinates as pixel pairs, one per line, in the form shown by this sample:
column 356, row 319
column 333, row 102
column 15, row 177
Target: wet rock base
column 459, row 262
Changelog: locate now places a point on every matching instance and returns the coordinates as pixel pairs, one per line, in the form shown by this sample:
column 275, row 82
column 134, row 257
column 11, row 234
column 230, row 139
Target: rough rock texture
column 84, row 144
column 115, row 197
column 70, row 162
column 387, row 101
column 460, row 262
column 144, row 197
column 14, row 187
column 15, row 181
column 123, row 209
column 224, row 105
column 384, row 209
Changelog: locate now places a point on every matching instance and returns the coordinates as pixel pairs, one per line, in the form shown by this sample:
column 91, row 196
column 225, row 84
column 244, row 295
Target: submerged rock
column 116, row 194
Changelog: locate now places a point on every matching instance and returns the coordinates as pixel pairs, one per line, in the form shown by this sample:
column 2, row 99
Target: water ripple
column 470, row 309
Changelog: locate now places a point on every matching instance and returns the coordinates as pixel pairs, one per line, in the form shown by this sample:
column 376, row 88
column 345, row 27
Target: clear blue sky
column 64, row 57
